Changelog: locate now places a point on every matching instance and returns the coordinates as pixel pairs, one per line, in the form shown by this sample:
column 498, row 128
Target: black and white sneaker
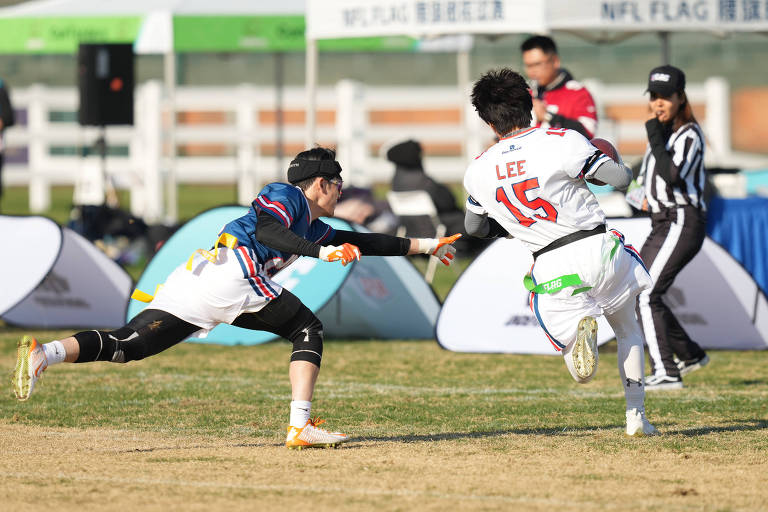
column 687, row 367
column 663, row 383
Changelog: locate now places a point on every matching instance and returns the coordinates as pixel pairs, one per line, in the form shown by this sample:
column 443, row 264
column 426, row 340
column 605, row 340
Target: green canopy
column 162, row 26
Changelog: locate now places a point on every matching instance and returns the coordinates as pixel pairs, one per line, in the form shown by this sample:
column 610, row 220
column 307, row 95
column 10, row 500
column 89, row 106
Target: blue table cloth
column 741, row 227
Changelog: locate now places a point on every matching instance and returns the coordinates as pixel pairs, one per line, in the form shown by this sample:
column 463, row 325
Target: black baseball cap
column 665, row 80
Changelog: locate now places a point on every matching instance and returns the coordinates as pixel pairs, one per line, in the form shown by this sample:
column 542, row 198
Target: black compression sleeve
column 496, row 229
column 658, row 141
column 571, row 124
column 374, row 244
column 272, row 233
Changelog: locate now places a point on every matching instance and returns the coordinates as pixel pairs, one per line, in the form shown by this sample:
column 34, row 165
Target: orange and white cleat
column 311, row 436
column 30, row 365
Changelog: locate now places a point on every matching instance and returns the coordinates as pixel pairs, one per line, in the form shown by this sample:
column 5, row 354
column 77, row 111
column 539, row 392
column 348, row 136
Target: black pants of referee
column 677, row 234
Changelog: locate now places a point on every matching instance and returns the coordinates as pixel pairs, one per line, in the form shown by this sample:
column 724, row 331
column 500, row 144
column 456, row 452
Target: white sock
column 629, row 338
column 300, row 410
column 54, row 352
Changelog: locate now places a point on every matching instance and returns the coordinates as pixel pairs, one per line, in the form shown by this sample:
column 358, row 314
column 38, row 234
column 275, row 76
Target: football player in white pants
column 233, row 284
column 531, row 185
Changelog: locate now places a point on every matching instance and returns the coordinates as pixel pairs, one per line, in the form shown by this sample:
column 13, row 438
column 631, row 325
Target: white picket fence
column 154, row 166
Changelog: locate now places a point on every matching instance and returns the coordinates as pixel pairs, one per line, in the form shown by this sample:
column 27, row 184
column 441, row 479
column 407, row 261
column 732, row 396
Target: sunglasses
column 337, row 182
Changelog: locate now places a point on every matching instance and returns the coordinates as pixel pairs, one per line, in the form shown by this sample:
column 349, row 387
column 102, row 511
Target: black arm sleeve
column 571, row 124
column 496, row 230
column 272, row 233
column 658, row 141
column 373, row 244
column 482, row 226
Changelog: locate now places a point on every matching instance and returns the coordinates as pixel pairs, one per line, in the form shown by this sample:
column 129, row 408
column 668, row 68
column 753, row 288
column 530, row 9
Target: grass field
column 201, row 427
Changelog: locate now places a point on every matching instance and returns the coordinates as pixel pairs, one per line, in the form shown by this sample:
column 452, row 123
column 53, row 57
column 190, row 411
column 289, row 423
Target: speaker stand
column 110, row 192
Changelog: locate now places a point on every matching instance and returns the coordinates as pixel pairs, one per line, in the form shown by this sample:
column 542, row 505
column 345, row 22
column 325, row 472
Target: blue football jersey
column 288, row 205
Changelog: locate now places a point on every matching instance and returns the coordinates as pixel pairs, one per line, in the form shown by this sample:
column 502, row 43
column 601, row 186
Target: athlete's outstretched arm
column 272, row 233
column 379, row 244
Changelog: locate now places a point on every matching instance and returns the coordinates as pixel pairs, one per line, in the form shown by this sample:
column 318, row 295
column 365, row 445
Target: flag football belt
column 564, row 281
column 568, row 239
column 555, row 285
column 224, row 240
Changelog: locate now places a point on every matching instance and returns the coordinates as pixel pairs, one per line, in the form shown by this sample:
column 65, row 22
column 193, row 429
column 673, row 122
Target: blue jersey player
column 233, row 284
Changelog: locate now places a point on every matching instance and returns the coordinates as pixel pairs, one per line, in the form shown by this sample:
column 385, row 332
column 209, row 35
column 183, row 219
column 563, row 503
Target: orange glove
column 346, row 253
column 441, row 248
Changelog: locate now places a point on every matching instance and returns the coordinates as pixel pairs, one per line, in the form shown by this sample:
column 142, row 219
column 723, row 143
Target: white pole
column 311, row 85
column 171, row 210
column 146, row 200
column 39, row 184
column 462, row 70
column 245, row 120
column 351, row 137
column 718, row 122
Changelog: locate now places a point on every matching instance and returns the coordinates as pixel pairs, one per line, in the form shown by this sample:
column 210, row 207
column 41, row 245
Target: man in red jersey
column 559, row 101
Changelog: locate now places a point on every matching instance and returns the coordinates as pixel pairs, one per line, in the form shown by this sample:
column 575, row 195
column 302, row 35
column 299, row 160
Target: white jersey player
column 531, row 185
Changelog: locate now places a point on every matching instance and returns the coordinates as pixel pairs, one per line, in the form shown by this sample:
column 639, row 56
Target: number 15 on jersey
column 521, row 191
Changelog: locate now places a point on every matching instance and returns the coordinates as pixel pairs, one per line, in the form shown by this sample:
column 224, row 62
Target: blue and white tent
column 377, row 297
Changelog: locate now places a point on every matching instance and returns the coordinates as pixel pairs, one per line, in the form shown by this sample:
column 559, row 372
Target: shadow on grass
column 449, row 436
column 740, row 426
column 753, row 382
column 746, row 425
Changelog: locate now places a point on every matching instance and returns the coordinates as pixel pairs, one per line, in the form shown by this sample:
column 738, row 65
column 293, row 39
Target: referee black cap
column 666, row 80
column 302, row 169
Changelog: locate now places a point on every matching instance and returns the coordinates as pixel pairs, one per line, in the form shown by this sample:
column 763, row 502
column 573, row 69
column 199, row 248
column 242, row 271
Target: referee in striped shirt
column 673, row 177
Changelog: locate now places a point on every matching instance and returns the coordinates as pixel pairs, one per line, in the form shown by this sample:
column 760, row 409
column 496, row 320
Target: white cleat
column 638, row 425
column 30, row 364
column 311, row 436
column 584, row 353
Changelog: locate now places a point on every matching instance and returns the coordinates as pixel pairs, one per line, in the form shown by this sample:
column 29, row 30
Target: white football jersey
column 532, row 183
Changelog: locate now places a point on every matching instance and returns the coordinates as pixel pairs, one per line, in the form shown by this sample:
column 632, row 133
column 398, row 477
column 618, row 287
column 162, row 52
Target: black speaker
column 105, row 79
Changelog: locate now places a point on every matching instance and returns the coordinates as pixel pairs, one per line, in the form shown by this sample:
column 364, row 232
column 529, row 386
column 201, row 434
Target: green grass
column 431, row 429
column 379, row 389
column 192, row 199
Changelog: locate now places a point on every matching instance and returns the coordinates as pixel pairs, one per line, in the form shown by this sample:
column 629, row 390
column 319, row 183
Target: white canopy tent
column 155, row 27
column 595, row 20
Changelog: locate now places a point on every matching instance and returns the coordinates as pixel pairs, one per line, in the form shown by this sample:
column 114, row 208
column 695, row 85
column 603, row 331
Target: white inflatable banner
column 714, row 298
column 55, row 278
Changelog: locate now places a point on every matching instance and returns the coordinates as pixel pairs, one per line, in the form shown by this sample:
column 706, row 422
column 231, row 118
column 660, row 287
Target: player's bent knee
column 307, row 340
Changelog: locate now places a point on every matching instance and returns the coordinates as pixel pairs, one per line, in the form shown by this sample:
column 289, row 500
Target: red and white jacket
column 569, row 105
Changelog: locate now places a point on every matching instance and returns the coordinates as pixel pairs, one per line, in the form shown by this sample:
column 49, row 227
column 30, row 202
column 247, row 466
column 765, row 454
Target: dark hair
column 685, row 112
column 317, row 153
column 543, row 43
column 502, row 99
